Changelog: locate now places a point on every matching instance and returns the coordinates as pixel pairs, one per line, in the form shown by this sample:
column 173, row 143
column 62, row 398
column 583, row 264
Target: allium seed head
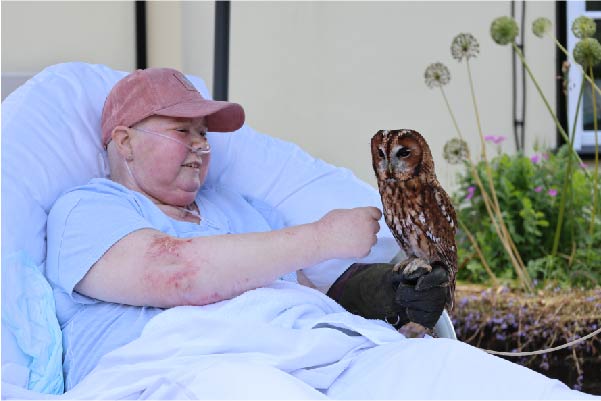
column 503, row 30
column 540, row 26
column 587, row 52
column 464, row 45
column 455, row 151
column 437, row 75
column 584, row 27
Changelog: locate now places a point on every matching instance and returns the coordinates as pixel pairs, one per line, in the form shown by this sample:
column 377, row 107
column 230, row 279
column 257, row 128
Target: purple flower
column 546, row 156
column 470, row 192
column 582, row 164
column 538, row 189
column 552, row 192
column 535, row 159
column 494, row 139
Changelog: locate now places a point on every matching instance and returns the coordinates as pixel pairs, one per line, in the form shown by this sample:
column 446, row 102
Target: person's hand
column 348, row 233
column 423, row 297
column 378, row 291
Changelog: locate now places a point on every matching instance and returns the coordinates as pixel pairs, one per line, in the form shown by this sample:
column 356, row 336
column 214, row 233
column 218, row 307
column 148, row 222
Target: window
column 584, row 142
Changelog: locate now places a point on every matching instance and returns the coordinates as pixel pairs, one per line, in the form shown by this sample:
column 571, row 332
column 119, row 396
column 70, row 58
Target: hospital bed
column 51, row 142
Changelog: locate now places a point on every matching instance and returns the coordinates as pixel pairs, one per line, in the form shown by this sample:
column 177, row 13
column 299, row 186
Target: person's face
column 166, row 169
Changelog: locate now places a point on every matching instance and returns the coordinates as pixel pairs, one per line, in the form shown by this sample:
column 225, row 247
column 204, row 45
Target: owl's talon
column 399, row 266
column 412, row 268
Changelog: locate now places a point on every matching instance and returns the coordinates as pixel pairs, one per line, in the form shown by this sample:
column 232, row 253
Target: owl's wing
column 443, row 224
column 446, row 207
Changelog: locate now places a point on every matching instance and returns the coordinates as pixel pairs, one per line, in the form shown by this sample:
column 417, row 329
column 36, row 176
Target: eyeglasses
column 199, row 151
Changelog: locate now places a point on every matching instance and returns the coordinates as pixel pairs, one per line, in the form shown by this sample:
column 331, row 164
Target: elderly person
column 152, row 237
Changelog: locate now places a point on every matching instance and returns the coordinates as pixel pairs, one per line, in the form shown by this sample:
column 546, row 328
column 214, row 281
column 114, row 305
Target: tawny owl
column 416, row 208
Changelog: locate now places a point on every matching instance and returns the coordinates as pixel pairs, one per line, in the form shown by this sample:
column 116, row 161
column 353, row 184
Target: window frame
column 584, row 140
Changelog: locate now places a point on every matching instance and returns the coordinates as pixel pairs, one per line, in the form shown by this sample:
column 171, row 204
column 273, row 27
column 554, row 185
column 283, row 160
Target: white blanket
column 284, row 326
column 286, row 341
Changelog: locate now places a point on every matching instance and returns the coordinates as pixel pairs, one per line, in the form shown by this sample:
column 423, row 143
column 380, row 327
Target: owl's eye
column 381, row 153
column 403, row 152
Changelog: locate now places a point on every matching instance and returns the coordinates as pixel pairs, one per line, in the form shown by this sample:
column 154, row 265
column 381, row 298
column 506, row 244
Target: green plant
column 523, row 219
column 528, row 194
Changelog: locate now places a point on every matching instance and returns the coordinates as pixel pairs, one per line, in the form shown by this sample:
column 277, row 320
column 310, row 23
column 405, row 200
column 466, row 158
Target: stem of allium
column 479, row 252
column 594, row 87
column 509, row 245
column 567, row 178
column 503, row 234
column 563, row 49
column 487, row 201
column 540, row 92
column 482, row 143
column 505, row 237
column 451, row 113
column 567, row 54
column 473, row 171
column 596, row 174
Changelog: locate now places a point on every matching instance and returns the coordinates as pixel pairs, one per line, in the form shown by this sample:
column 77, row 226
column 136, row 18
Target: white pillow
column 32, row 352
column 51, row 142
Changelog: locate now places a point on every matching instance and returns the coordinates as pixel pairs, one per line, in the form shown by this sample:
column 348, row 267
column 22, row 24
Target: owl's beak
column 389, row 167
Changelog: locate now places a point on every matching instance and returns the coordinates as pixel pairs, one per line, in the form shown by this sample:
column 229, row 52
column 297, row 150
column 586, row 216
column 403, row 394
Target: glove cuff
column 336, row 290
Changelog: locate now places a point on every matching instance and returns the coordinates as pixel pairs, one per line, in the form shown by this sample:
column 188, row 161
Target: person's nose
column 199, row 142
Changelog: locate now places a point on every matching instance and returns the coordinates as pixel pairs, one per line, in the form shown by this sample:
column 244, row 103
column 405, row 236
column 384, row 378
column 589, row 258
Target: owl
column 416, row 208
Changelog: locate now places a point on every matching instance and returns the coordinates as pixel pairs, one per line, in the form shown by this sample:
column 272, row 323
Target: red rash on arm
column 166, row 246
column 174, row 278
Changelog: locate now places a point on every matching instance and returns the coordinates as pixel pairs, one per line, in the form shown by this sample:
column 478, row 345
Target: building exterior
column 325, row 75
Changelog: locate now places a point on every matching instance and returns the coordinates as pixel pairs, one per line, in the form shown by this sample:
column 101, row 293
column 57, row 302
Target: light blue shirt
column 86, row 221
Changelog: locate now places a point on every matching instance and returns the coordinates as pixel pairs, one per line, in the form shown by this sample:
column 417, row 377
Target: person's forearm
column 150, row 268
column 210, row 269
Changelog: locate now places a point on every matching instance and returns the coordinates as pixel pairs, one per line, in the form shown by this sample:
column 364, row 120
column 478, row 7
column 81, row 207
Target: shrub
column 528, row 191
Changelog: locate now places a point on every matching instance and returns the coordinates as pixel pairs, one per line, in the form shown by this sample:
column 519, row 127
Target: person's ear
column 121, row 137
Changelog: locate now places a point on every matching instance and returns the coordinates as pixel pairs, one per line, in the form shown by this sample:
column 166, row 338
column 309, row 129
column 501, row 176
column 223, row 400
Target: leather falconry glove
column 423, row 294
column 375, row 291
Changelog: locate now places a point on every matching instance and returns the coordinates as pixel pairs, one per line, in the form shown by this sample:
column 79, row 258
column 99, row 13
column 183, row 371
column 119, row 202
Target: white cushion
column 32, row 352
column 51, row 142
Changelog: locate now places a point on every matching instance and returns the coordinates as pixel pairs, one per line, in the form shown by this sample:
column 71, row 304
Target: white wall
column 41, row 33
column 37, row 34
column 326, row 75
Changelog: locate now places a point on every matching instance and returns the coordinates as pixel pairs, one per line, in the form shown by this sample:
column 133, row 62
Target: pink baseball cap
column 164, row 92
